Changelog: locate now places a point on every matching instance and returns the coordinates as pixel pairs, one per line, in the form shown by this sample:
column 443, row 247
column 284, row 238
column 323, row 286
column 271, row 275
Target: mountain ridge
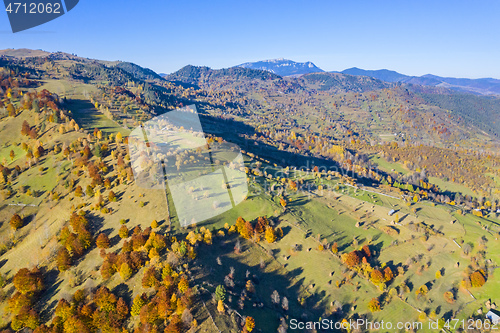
column 482, row 86
column 283, row 67
column 288, row 68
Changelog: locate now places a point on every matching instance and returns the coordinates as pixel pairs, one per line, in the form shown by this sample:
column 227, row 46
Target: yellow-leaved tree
column 270, row 235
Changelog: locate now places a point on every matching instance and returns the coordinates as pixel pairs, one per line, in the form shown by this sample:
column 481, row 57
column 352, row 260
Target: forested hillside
column 480, row 111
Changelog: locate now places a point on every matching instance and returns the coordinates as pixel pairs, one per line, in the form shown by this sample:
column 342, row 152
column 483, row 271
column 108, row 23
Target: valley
column 367, row 199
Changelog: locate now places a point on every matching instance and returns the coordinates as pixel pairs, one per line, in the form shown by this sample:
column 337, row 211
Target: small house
column 391, row 212
column 493, row 316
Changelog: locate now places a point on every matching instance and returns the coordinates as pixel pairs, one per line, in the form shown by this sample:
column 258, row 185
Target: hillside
column 336, row 82
column 138, row 71
column 366, row 199
column 23, row 53
column 480, row 111
column 205, row 75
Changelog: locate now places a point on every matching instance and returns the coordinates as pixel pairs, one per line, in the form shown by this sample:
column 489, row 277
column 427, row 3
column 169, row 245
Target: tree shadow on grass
column 402, row 218
column 84, row 112
column 286, row 230
column 378, row 247
column 287, row 284
column 114, row 240
column 298, row 202
column 122, row 290
column 52, row 283
column 96, row 222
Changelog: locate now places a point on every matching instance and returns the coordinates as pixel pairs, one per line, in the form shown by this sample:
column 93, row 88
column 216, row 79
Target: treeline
column 458, row 166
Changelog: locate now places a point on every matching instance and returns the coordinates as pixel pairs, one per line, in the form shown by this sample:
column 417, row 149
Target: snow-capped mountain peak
column 283, row 67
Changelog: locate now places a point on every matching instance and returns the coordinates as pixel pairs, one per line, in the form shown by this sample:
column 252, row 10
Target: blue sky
column 447, row 38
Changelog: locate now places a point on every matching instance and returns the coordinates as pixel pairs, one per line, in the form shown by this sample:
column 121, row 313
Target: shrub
column 449, row 297
column 374, row 305
column 477, row 279
column 16, row 222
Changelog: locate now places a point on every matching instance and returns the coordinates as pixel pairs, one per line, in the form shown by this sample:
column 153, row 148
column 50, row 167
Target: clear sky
column 448, row 38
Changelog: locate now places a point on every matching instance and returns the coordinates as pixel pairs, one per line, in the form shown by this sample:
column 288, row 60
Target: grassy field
column 388, row 166
column 318, row 276
column 89, row 118
column 48, row 175
column 10, row 131
column 308, row 215
column 82, row 110
column 68, row 89
column 5, row 154
column 450, row 186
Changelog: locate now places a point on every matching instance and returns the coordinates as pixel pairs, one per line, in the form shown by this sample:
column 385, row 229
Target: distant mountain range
column 239, row 79
column 381, row 74
column 283, row 67
column 485, row 86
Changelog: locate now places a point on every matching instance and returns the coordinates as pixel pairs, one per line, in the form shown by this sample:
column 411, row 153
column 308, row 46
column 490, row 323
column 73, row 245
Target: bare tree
column 172, row 259
column 275, row 297
column 284, row 303
column 467, row 248
column 237, row 247
column 187, row 317
column 228, row 281
column 283, row 326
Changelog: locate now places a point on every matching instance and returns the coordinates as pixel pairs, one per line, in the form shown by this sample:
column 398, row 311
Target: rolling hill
column 338, row 82
column 381, row 74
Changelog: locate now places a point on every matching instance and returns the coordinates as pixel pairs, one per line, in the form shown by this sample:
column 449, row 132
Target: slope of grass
column 388, row 166
column 451, row 186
